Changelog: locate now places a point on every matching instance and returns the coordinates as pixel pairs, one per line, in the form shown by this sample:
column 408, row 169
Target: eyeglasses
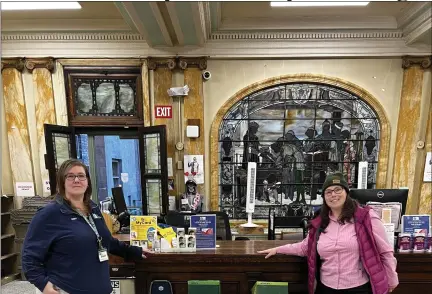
column 337, row 190
column 72, row 177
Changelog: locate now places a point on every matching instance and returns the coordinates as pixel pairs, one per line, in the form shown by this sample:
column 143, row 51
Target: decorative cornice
column 177, row 62
column 305, row 35
column 241, row 48
column 17, row 63
column 71, row 37
column 32, row 63
column 422, row 61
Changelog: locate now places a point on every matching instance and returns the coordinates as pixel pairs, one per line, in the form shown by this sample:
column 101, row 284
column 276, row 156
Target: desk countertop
column 248, row 249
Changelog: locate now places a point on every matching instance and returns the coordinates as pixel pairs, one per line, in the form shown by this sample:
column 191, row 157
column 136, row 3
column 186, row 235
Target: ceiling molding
column 309, row 23
column 207, row 18
column 130, row 45
column 424, row 28
column 330, row 35
column 6, row 37
column 129, row 13
column 215, row 15
column 418, row 25
column 175, row 22
column 160, row 21
column 410, row 13
column 58, row 25
column 199, row 22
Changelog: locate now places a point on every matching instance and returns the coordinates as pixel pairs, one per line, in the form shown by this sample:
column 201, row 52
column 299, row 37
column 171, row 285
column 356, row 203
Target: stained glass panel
column 105, row 97
column 297, row 134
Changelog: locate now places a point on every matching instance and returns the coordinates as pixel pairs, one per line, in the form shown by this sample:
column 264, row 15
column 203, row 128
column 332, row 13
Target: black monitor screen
column 119, row 201
column 381, row 195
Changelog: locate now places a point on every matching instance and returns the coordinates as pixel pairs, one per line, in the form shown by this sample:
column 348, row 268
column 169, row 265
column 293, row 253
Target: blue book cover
column 416, row 224
column 205, row 225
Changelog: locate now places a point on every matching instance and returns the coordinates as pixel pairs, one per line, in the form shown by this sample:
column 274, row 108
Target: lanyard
column 92, row 225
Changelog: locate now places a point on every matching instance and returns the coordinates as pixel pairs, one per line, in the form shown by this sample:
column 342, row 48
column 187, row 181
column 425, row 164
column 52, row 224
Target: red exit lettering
column 163, row 111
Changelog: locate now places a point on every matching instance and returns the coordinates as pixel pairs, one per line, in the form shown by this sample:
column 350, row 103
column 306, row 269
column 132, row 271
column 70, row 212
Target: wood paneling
column 194, row 110
column 17, row 127
column 162, row 82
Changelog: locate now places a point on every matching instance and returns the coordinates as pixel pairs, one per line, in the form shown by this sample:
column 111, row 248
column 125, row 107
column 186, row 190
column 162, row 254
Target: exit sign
column 163, row 111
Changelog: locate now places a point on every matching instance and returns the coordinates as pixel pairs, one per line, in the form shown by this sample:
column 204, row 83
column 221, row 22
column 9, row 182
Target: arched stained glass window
column 297, row 133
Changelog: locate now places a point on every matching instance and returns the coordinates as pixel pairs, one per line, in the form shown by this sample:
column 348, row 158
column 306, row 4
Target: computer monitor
column 381, row 195
column 119, row 201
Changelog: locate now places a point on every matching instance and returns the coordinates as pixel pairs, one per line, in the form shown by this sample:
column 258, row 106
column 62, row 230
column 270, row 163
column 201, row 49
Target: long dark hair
column 61, row 178
column 347, row 213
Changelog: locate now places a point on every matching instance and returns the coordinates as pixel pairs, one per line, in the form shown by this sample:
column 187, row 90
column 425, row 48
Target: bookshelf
column 9, row 255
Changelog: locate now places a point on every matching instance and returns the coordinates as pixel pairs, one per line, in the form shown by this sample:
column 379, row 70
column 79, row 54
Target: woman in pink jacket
column 347, row 248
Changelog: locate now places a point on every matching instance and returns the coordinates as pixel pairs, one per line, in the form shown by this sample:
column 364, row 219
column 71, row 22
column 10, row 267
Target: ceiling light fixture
column 306, row 3
column 40, row 5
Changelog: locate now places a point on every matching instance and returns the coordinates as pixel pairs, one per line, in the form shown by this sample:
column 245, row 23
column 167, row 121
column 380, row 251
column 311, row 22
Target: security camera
column 206, row 75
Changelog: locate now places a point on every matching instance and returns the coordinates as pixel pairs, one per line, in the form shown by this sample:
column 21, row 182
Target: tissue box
column 207, row 287
column 270, row 288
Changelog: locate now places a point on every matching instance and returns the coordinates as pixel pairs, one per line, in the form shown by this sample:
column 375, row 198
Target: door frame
column 49, row 157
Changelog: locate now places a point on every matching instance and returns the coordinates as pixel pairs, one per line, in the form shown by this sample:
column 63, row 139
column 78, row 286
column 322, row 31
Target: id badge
column 103, row 255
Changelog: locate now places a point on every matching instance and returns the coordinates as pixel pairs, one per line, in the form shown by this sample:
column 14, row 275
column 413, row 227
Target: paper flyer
column 205, row 225
column 194, row 168
column 143, row 229
column 416, row 224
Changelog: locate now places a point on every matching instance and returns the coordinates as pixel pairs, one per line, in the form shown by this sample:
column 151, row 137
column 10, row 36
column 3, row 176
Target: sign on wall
column 115, row 284
column 163, row 111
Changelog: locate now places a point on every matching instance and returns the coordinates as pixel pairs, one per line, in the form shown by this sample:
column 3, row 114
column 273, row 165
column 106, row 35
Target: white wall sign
column 124, row 177
column 47, row 187
column 170, row 167
column 25, row 189
column 427, row 176
column 115, row 284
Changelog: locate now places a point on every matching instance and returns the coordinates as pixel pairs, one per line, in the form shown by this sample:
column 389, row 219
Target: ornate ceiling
column 220, row 30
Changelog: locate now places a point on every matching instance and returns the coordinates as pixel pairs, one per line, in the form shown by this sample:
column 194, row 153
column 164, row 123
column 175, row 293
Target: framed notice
column 416, row 224
column 205, row 225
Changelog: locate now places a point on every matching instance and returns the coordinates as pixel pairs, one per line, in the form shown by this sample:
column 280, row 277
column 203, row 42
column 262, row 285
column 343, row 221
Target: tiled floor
column 18, row 287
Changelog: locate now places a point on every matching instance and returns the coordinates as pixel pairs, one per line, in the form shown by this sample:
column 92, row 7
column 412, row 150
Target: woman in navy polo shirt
column 67, row 244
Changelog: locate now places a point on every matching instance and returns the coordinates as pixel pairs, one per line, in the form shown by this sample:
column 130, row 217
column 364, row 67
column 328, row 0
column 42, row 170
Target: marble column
column 411, row 130
column 146, row 94
column 41, row 69
column 425, row 206
column 59, row 89
column 16, row 122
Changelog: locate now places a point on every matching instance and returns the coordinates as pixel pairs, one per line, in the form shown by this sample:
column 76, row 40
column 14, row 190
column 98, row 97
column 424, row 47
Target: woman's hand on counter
column 270, row 252
column 146, row 252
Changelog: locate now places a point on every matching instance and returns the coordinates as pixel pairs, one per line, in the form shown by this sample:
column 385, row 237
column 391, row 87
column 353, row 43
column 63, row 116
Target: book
column 270, row 288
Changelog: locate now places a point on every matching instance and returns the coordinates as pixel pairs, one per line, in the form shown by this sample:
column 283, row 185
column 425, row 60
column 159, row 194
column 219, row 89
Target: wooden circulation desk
column 238, row 266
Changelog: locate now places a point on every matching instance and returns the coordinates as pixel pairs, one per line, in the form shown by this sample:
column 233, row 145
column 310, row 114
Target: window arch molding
column 298, row 78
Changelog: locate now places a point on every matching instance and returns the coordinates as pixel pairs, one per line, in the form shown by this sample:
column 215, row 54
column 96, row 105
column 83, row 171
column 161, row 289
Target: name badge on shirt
column 103, row 255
